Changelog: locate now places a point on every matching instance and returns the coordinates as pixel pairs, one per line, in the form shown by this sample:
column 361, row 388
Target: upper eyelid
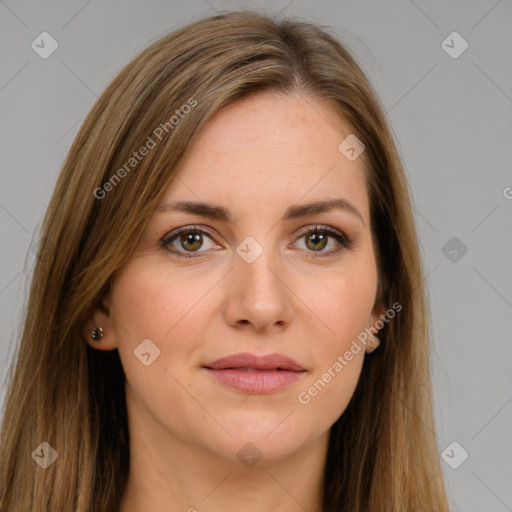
column 210, row 231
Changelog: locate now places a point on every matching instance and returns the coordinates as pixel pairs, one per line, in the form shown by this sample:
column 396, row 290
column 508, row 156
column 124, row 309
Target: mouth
column 248, row 361
column 254, row 374
column 251, row 369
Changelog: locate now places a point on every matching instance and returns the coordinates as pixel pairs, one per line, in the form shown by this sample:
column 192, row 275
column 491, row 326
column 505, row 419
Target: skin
column 256, row 157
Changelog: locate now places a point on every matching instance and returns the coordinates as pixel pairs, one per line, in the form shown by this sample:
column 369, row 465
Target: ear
column 101, row 317
column 373, row 339
column 378, row 310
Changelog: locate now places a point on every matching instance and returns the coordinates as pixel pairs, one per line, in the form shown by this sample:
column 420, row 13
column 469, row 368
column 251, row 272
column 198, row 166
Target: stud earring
column 96, row 334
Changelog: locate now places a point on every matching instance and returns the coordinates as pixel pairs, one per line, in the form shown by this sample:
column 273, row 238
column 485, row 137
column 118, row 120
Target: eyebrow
column 220, row 213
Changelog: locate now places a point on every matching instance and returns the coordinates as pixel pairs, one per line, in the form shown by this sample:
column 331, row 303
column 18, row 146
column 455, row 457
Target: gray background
column 452, row 118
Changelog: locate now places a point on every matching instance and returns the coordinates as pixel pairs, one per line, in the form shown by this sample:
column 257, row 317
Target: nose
column 258, row 296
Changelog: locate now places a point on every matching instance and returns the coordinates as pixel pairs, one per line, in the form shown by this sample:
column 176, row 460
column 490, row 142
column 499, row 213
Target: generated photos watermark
column 304, row 397
column 138, row 156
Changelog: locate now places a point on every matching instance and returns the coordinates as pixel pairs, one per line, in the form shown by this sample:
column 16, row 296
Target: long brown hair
column 382, row 451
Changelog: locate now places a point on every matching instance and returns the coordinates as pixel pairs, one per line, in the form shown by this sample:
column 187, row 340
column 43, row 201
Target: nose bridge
column 256, row 266
column 259, row 294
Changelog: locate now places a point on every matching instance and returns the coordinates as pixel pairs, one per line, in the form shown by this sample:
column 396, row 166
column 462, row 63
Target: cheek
column 168, row 309
column 153, row 302
column 344, row 307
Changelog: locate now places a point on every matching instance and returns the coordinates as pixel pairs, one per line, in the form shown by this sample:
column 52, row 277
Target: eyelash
column 345, row 242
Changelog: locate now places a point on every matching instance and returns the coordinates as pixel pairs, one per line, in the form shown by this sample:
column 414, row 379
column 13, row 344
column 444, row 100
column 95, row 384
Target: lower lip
column 258, row 381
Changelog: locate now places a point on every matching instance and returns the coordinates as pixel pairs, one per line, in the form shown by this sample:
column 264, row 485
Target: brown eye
column 191, row 241
column 316, row 241
column 186, row 242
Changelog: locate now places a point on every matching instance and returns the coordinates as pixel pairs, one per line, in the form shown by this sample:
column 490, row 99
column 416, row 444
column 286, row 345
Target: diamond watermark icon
column 351, row 147
column 454, row 45
column 454, row 455
column 249, row 249
column 146, row 352
column 454, row 249
column 44, row 45
column 249, row 454
column 45, row 455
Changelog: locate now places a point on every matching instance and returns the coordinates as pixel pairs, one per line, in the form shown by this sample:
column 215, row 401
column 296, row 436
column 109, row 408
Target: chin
column 268, row 437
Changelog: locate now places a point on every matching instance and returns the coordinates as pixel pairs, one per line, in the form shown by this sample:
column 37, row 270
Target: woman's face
column 256, row 283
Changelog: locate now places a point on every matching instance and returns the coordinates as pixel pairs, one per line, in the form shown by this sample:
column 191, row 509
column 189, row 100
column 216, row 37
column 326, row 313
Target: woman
column 228, row 243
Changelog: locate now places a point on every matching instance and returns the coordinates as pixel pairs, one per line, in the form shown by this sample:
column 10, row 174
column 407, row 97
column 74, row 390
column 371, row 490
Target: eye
column 190, row 239
column 317, row 239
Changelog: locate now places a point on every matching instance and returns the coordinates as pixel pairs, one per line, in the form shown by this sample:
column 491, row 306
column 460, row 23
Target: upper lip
column 247, row 360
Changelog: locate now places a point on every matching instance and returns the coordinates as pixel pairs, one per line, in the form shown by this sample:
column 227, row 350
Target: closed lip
column 247, row 360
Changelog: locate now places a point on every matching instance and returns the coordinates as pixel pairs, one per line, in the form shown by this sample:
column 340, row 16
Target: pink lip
column 256, row 374
column 248, row 360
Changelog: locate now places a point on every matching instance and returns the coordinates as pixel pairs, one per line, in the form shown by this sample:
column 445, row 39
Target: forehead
column 270, row 151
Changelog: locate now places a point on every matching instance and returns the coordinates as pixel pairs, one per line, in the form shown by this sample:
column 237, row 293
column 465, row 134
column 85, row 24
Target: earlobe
column 99, row 330
column 372, row 344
